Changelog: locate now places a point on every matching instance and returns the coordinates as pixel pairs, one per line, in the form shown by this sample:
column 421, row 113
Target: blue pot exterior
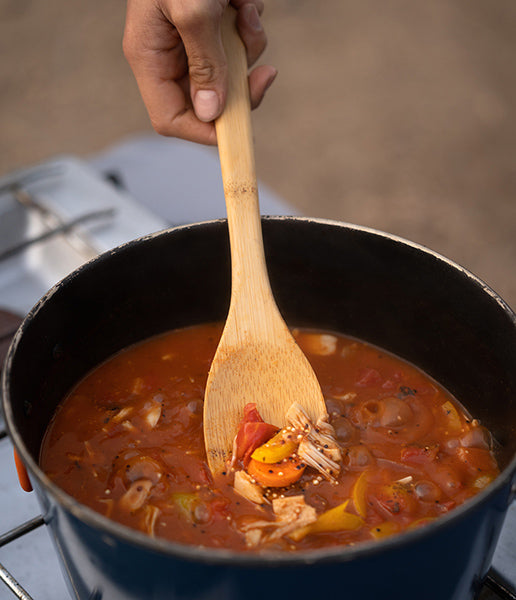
column 469, row 346
column 447, row 562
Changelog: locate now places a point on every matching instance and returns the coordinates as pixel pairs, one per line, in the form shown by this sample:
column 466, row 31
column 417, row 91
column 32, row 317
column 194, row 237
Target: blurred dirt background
column 396, row 115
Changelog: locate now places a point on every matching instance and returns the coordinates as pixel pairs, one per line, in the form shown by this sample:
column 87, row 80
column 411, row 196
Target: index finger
column 156, row 55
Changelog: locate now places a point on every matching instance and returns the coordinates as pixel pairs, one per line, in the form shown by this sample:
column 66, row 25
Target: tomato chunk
column 252, row 433
column 420, row 455
column 369, row 377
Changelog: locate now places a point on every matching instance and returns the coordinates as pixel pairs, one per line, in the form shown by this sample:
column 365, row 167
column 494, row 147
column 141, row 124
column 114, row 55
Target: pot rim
column 219, row 556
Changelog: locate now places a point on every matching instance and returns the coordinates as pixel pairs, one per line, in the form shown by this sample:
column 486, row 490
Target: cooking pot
column 324, row 274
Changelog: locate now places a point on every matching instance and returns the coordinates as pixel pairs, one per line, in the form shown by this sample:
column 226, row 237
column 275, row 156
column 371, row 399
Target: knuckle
column 161, row 125
column 202, row 70
column 161, row 130
column 164, row 129
column 260, row 5
column 128, row 46
column 254, row 51
column 196, row 12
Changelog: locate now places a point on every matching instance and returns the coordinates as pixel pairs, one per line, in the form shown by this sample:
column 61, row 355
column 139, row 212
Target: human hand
column 176, row 54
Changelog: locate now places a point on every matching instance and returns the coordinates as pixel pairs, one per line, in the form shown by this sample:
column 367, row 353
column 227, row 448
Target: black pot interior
column 324, row 275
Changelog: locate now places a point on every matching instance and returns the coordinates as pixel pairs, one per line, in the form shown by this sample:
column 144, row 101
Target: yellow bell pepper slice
column 384, row 530
column 334, row 519
column 421, row 522
column 358, row 494
column 276, row 449
column 185, row 502
column 452, row 416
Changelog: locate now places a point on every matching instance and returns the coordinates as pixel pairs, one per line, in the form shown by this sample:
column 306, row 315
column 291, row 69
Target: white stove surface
column 165, row 182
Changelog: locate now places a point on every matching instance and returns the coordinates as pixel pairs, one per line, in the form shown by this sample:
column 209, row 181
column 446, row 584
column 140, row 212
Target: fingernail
column 271, row 79
column 252, row 17
column 207, row 105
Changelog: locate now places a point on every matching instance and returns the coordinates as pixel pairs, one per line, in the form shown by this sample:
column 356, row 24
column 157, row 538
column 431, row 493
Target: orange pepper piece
column 279, row 474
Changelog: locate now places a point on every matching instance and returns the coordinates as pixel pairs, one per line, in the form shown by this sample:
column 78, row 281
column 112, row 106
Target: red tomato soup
column 395, row 452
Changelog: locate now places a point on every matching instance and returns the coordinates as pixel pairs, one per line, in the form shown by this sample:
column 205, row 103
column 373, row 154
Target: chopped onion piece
column 135, row 497
column 122, row 414
column 316, row 343
column 152, row 413
column 138, row 385
column 247, row 488
column 405, row 480
column 151, row 515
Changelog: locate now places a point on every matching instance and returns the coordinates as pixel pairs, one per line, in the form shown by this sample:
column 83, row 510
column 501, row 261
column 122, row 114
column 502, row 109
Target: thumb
column 207, row 101
column 207, row 67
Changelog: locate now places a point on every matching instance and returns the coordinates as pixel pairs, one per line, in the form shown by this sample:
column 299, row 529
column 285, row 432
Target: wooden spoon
column 257, row 359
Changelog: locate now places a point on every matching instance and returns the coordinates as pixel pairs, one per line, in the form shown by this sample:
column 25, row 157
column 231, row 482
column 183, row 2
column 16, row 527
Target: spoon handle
column 257, row 359
column 250, row 283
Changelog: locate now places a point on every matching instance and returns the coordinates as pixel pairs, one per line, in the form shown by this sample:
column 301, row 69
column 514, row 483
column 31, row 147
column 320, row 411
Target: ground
column 396, row 115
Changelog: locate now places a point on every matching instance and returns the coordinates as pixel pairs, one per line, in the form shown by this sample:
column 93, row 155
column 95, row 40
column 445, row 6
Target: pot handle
column 23, row 476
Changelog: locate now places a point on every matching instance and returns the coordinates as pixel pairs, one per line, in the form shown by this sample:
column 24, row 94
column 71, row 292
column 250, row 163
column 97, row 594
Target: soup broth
column 128, row 442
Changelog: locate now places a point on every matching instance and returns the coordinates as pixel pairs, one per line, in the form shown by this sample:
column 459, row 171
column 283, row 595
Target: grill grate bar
column 22, row 529
column 32, row 176
column 52, row 220
column 495, row 581
column 64, row 228
column 13, row 585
